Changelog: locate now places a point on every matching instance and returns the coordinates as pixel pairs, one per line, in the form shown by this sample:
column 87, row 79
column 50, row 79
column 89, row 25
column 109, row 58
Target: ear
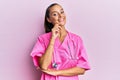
column 48, row 20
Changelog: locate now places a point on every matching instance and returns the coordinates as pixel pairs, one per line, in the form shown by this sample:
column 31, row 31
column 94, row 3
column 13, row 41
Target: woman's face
column 57, row 15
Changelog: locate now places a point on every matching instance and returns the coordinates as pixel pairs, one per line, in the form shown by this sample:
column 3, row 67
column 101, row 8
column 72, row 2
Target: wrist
column 51, row 43
column 53, row 37
column 52, row 40
column 59, row 72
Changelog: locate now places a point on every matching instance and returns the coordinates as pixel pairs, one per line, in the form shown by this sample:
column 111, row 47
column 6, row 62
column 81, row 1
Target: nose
column 60, row 15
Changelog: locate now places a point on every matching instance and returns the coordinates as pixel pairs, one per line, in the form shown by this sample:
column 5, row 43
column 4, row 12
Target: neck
column 63, row 32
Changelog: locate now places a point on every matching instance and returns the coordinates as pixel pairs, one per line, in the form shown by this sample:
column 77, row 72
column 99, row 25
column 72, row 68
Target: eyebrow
column 55, row 11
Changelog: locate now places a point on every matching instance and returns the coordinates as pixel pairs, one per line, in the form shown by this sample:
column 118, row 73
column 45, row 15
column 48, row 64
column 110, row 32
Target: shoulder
column 74, row 36
column 45, row 36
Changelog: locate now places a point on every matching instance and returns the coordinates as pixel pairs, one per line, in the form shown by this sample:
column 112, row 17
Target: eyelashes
column 57, row 14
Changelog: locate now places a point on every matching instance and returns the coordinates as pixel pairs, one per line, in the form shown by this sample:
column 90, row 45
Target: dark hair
column 48, row 26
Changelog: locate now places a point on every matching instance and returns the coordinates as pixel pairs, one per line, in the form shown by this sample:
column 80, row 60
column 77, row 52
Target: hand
column 56, row 31
column 51, row 72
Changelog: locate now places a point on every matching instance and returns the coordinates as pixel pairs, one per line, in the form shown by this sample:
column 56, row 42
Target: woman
column 58, row 53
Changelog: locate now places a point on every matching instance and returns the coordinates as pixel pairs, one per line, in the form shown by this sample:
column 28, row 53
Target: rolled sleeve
column 38, row 51
column 82, row 57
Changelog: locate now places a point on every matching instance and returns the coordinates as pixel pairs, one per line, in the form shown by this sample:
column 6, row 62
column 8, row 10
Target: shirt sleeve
column 38, row 51
column 82, row 56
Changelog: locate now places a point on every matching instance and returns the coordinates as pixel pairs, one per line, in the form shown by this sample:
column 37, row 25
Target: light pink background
column 97, row 21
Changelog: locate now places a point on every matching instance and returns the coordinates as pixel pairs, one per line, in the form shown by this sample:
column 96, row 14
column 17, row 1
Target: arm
column 66, row 72
column 71, row 71
column 45, row 60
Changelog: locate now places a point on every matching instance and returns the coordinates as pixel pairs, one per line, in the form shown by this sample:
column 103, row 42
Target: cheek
column 65, row 18
column 54, row 20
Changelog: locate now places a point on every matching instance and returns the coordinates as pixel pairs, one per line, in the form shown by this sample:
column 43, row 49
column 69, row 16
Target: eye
column 55, row 14
column 62, row 12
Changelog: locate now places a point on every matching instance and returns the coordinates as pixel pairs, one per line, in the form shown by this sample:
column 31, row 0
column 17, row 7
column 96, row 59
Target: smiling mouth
column 61, row 20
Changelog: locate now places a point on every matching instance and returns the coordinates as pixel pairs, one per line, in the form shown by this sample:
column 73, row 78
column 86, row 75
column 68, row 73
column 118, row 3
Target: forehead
column 55, row 8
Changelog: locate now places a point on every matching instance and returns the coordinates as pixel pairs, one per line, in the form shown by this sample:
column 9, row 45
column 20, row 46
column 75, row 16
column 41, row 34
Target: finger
column 57, row 22
column 38, row 68
column 56, row 25
column 45, row 71
column 60, row 28
column 56, row 29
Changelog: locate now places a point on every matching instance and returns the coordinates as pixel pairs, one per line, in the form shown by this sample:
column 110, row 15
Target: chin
column 62, row 24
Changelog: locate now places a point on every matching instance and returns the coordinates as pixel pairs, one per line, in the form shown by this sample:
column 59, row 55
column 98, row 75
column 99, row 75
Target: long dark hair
column 48, row 26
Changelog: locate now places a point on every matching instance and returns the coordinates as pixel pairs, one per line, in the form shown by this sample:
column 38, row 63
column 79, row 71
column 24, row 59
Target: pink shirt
column 68, row 54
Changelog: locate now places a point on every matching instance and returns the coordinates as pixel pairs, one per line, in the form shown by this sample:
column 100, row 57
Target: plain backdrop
column 96, row 21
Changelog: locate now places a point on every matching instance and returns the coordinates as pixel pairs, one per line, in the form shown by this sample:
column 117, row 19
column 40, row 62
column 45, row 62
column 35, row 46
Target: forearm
column 71, row 71
column 45, row 60
column 66, row 72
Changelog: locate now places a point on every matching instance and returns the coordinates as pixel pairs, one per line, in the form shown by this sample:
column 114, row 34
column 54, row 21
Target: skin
column 58, row 19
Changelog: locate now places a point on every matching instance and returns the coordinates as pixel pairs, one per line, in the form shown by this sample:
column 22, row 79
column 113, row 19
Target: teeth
column 61, row 19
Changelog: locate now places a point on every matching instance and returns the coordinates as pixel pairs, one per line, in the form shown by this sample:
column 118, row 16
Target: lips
column 61, row 20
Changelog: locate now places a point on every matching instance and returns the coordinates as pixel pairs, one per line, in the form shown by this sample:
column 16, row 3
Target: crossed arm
column 45, row 61
column 66, row 72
